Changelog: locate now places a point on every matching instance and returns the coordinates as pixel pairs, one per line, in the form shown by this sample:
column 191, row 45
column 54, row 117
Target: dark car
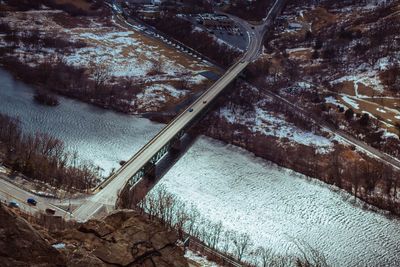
column 31, row 201
column 13, row 204
column 191, row 110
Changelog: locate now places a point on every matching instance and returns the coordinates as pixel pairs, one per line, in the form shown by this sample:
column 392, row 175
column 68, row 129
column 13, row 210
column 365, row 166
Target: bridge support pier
column 150, row 171
column 176, row 146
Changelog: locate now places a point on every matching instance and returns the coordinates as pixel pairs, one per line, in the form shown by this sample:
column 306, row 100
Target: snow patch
column 350, row 101
column 199, row 259
column 266, row 123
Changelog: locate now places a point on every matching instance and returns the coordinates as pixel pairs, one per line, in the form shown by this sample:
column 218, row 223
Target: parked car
column 50, row 211
column 31, row 201
column 13, row 204
column 191, row 110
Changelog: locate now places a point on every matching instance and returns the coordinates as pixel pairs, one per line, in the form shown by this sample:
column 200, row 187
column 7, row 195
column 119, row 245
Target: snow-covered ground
column 278, row 207
column 274, row 206
column 117, row 51
column 201, row 260
column 269, row 124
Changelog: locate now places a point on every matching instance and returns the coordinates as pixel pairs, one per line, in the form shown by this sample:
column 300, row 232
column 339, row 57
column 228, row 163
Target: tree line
column 96, row 7
column 250, row 10
column 163, row 206
column 183, row 31
column 44, row 158
column 366, row 178
column 56, row 76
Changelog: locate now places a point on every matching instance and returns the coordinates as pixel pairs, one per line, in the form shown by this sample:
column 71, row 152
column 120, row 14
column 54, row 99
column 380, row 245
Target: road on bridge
column 107, row 197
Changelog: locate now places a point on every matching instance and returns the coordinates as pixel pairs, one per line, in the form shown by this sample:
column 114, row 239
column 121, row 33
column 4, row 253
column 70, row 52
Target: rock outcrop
column 22, row 245
column 124, row 238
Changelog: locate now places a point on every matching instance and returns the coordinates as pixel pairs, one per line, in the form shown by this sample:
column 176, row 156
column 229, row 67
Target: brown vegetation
column 182, row 30
column 207, row 236
column 74, row 8
column 364, row 177
column 58, row 77
column 43, row 158
column 250, row 10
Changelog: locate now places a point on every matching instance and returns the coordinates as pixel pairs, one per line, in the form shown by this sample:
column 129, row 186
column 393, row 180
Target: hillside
column 111, row 63
column 339, row 62
column 124, row 238
column 23, row 245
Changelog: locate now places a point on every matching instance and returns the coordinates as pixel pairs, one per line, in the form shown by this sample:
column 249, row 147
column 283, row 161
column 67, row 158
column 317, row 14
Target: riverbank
column 101, row 136
column 223, row 176
column 279, row 208
column 99, row 60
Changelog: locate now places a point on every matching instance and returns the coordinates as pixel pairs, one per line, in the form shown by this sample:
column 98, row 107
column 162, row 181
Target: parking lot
column 222, row 27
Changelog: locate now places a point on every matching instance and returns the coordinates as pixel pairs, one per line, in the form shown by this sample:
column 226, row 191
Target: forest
column 41, row 157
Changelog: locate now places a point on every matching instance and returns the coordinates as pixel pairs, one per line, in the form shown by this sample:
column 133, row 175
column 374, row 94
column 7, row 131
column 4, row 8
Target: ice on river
column 276, row 206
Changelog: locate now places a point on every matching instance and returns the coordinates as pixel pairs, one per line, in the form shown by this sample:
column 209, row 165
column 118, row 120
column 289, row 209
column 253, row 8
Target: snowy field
column 278, row 207
column 116, row 51
column 270, row 124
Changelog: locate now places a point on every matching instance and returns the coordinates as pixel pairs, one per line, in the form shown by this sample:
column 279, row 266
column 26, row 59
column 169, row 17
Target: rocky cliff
column 124, row 238
column 22, row 245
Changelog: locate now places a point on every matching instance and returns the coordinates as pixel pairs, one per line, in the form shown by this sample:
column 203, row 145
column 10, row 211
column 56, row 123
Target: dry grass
column 319, row 18
column 393, row 103
column 301, row 55
column 66, row 21
column 346, row 87
column 365, row 90
column 388, row 118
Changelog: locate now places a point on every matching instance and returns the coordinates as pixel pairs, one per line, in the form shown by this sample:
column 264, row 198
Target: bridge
column 144, row 161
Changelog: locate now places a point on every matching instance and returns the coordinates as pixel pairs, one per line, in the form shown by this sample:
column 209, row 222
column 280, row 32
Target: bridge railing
column 167, row 127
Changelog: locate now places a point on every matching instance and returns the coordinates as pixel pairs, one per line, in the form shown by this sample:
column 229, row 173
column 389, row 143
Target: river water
column 99, row 135
column 274, row 206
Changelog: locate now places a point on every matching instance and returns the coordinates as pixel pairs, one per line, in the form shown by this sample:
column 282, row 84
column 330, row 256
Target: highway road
column 10, row 192
column 107, row 197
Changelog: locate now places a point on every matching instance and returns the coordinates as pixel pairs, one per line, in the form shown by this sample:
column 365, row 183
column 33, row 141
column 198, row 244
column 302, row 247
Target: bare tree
column 100, row 76
column 242, row 243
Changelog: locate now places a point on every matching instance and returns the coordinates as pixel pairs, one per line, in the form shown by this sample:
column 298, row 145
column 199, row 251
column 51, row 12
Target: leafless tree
column 241, row 243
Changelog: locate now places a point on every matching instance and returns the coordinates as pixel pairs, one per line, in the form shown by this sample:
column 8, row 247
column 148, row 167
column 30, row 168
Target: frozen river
column 274, row 206
column 99, row 135
column 278, row 207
